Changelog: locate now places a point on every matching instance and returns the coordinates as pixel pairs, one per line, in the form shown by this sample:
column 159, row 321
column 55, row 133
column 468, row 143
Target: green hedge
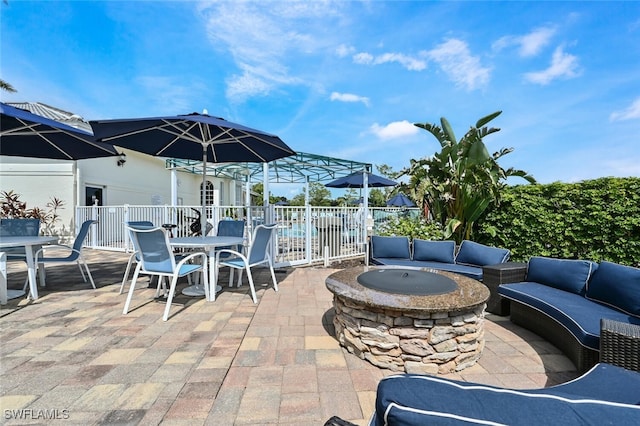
column 596, row 219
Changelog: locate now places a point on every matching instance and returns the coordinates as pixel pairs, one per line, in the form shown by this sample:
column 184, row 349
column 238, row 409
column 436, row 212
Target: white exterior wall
column 142, row 180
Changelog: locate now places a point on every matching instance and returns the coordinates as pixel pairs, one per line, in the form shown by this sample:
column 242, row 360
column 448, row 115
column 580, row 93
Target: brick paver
column 74, row 355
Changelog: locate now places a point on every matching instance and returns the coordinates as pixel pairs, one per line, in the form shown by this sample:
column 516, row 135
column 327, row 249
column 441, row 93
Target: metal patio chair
column 157, row 258
column 75, row 252
column 258, row 254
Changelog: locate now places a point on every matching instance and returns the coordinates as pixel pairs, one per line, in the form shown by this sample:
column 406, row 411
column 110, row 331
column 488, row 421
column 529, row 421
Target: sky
column 348, row 79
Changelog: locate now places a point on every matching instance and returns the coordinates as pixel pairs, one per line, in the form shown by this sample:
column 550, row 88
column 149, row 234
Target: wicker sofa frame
column 540, row 323
column 620, row 344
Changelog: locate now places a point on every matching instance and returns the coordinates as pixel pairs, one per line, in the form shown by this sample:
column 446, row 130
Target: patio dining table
column 31, row 244
column 208, row 244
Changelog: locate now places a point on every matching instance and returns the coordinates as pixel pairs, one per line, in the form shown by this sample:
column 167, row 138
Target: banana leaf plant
column 458, row 184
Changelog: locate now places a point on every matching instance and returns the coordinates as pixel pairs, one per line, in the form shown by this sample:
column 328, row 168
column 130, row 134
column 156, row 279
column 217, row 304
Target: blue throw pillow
column 564, row 274
column 617, row 286
column 435, row 251
column 386, row 247
column 477, row 254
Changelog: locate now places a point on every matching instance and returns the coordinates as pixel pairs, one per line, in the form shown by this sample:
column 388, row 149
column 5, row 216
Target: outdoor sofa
column 564, row 301
column 607, row 394
column 469, row 259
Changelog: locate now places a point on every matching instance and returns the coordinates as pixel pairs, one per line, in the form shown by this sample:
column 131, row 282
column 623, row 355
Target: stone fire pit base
column 413, row 342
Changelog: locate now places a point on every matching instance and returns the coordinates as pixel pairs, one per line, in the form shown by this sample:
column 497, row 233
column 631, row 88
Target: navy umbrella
column 400, row 200
column 24, row 134
column 193, row 137
column 356, row 180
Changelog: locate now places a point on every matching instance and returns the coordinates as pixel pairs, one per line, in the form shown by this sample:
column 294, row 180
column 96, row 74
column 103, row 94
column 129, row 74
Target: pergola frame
column 299, row 168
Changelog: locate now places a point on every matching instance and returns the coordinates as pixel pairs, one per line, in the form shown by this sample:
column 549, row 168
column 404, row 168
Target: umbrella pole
column 203, row 217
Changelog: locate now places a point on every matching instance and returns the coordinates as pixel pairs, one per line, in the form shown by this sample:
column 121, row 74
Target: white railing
column 305, row 235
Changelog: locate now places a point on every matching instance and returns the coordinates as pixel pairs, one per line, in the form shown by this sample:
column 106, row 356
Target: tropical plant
column 11, row 207
column 459, row 183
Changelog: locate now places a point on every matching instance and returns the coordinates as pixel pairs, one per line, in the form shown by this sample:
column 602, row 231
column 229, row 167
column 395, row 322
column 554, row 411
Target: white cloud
column 394, row 130
column 456, row 61
column 349, row 97
column 630, row 113
column 529, row 44
column 563, row 65
column 343, row 50
column 408, row 62
column 261, row 37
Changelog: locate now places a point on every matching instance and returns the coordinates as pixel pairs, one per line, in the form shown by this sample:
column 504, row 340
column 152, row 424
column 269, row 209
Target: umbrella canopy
column 355, row 180
column 400, row 200
column 193, row 137
column 24, row 134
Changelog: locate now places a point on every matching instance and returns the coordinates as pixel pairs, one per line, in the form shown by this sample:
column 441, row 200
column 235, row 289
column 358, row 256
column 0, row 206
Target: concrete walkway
column 72, row 356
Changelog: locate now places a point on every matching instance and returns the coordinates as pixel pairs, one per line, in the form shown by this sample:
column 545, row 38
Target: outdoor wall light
column 122, row 160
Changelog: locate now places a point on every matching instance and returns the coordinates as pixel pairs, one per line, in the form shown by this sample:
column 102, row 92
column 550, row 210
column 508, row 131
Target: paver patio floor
column 73, row 356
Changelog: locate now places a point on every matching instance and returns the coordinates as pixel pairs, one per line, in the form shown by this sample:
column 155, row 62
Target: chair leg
column 273, row 277
column 81, row 271
column 93, row 284
column 231, row 270
column 172, row 291
column 126, row 272
column 253, row 290
column 132, row 287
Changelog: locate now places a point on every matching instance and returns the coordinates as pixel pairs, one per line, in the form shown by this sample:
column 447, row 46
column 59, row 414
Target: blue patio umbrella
column 193, row 137
column 24, row 134
column 356, row 180
column 400, row 200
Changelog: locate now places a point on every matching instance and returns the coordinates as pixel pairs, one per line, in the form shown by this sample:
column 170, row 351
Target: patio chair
column 230, row 228
column 157, row 258
column 18, row 228
column 258, row 254
column 134, row 256
column 75, row 252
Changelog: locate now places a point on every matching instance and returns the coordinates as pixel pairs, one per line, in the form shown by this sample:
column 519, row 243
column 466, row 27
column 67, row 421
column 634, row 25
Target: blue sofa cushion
column 390, row 247
column 422, row 400
column 564, row 274
column 437, row 251
column 474, row 272
column 617, row 286
column 472, row 253
column 576, row 313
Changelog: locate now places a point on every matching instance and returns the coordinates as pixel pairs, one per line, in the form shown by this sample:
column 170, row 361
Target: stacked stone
column 413, row 342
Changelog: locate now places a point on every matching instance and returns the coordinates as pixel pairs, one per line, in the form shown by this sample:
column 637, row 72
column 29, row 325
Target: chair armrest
column 40, row 252
column 620, row 344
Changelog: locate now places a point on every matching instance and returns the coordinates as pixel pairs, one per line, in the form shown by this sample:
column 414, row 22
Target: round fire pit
column 409, row 319
column 407, row 281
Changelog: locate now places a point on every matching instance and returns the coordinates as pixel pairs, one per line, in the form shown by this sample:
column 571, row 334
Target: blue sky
column 348, row 78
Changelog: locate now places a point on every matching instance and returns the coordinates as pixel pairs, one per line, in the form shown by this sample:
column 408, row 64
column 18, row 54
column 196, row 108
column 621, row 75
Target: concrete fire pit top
column 468, row 294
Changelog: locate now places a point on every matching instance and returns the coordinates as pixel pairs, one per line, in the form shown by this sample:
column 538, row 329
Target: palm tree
column 6, row 86
column 459, row 183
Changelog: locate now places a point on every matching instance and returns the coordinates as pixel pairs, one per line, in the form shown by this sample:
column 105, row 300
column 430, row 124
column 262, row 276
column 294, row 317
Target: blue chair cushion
column 397, row 247
column 423, row 400
column 437, row 251
column 477, row 254
column 617, row 286
column 565, row 274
